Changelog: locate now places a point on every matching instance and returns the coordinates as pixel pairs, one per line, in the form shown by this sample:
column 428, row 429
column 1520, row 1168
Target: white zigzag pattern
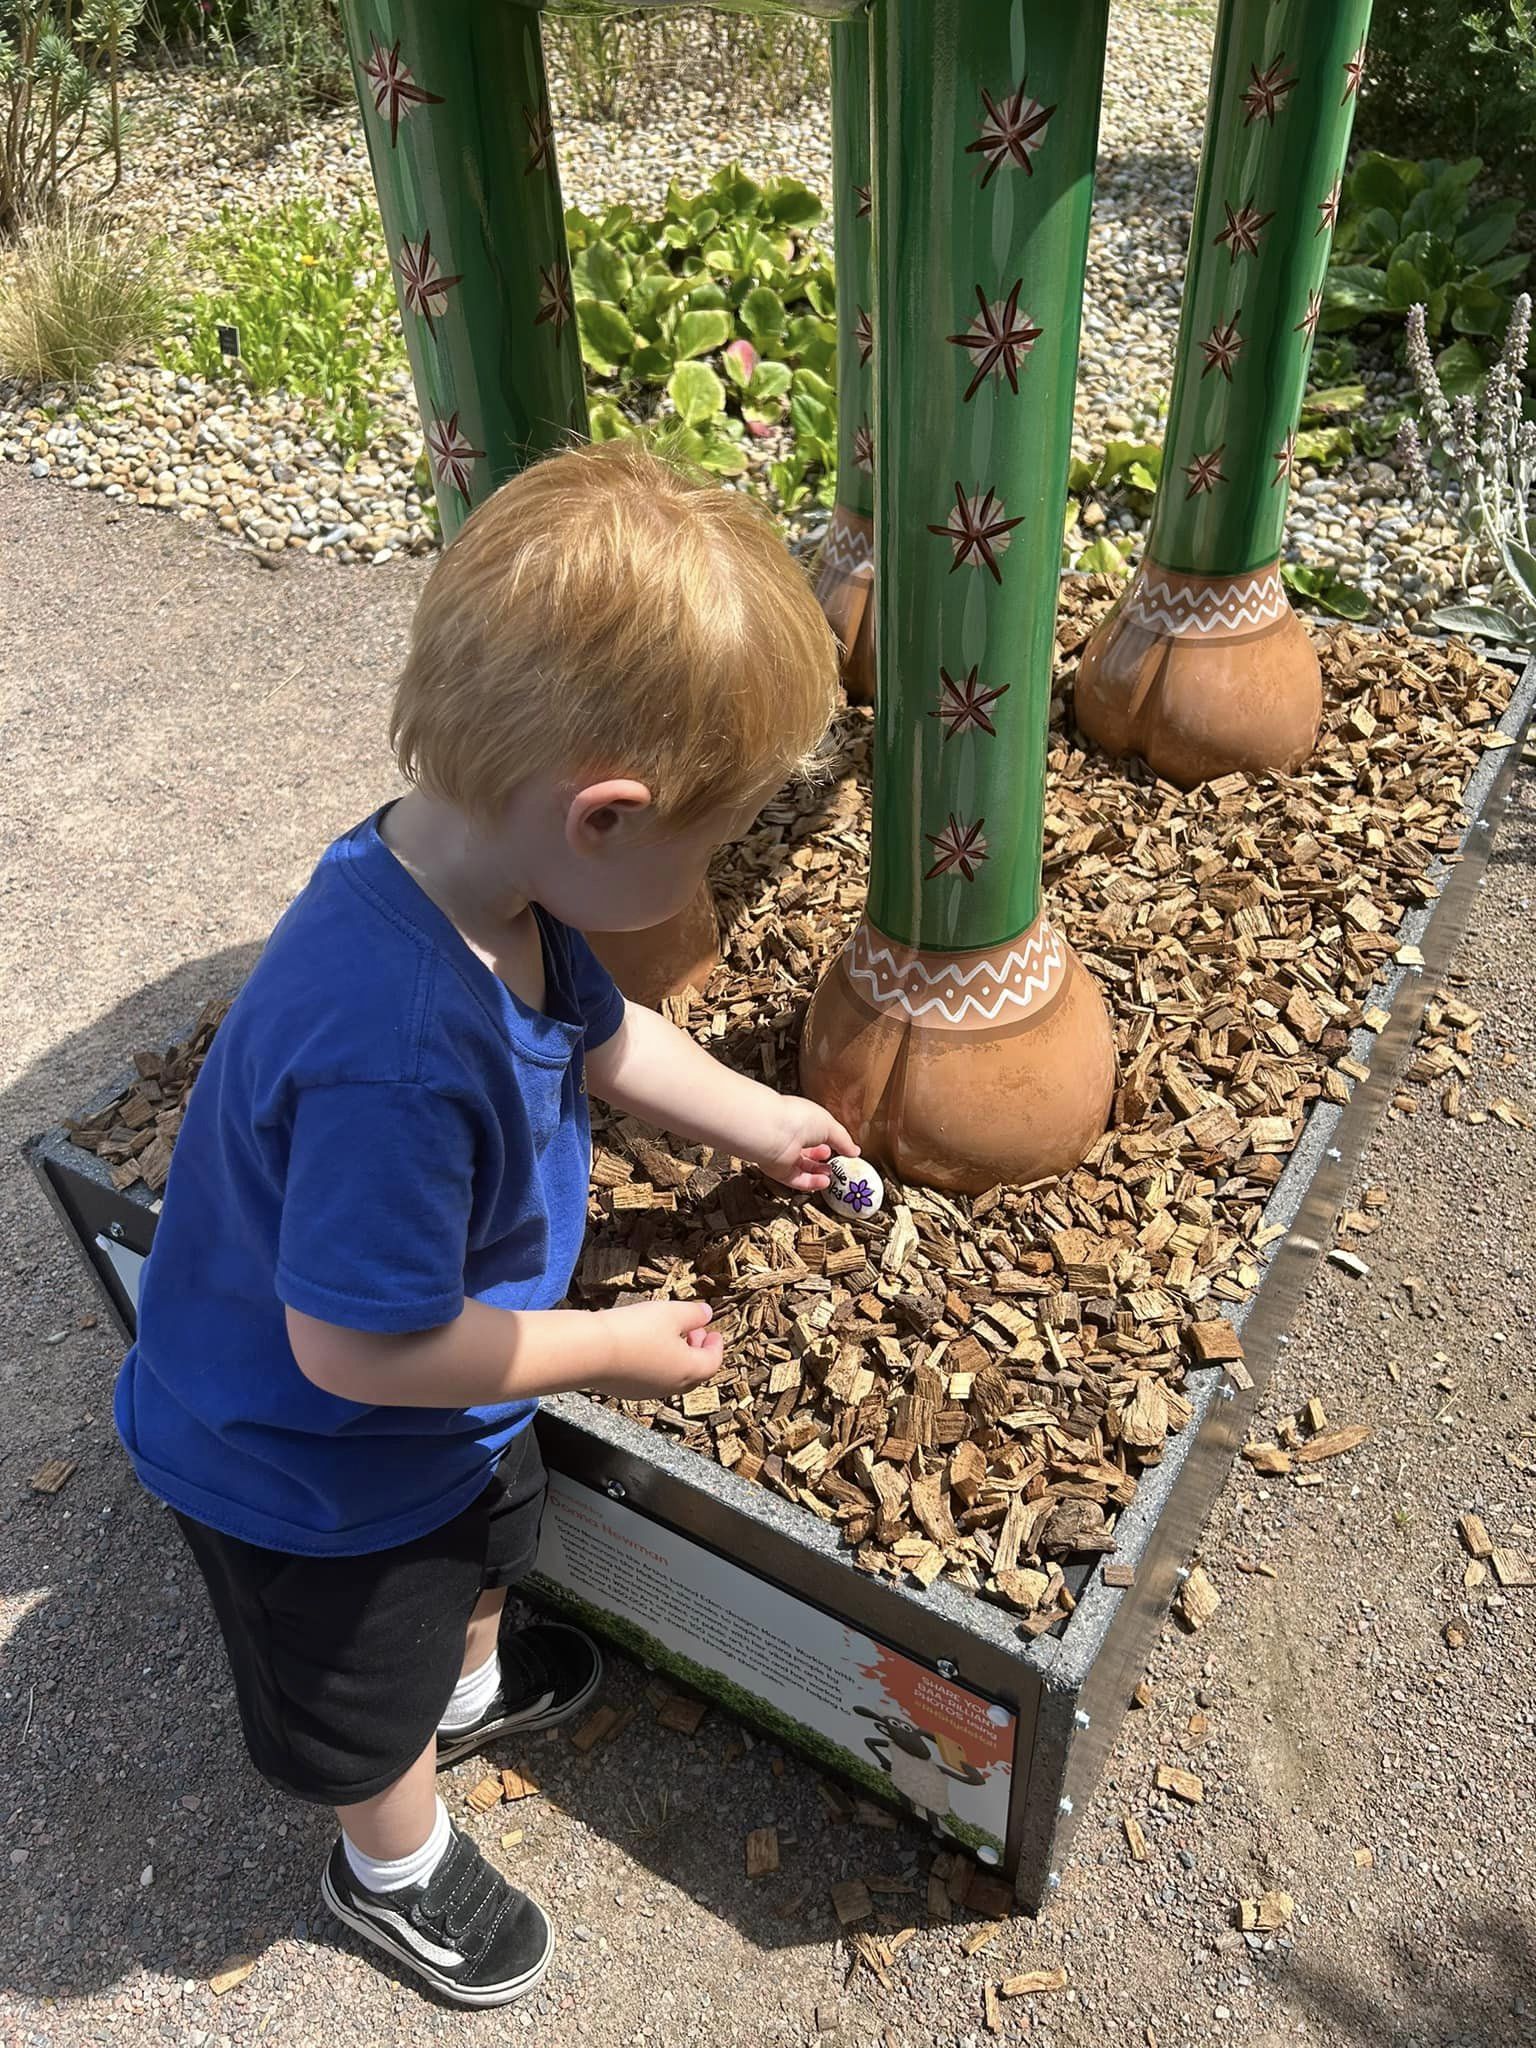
column 1041, row 963
column 846, row 550
column 1159, row 606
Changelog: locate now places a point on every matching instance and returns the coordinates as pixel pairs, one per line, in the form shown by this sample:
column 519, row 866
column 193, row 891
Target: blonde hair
column 604, row 613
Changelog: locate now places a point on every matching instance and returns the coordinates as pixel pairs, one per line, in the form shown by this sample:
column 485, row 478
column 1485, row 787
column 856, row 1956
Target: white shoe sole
column 473, row 1995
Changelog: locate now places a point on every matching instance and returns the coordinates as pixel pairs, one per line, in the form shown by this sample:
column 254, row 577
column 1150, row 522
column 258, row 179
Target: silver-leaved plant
column 1489, row 447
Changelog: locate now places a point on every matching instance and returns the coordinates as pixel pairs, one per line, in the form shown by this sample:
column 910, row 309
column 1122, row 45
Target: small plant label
column 229, row 343
column 855, row 1189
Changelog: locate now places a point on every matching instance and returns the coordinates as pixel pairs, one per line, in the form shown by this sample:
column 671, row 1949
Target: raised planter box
column 751, row 1598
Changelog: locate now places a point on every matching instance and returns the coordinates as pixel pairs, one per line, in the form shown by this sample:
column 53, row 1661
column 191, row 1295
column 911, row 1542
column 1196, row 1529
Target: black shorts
column 343, row 1666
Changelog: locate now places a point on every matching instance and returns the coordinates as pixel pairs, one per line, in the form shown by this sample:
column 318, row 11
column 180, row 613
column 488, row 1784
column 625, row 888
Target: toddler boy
column 380, row 1187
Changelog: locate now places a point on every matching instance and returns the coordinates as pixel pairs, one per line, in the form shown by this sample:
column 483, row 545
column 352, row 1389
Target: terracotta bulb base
column 1201, row 675
column 963, row 1070
column 651, row 965
column 845, row 590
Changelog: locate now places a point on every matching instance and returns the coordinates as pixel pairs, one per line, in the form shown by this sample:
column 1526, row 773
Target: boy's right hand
column 657, row 1349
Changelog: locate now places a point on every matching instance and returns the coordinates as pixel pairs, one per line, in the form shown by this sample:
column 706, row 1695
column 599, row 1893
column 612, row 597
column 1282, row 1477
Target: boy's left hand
column 806, row 1138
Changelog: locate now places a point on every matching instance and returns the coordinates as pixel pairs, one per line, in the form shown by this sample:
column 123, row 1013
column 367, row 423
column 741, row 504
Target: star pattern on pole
column 1244, row 226
column 864, row 202
column 999, row 337
column 977, row 530
column 1307, row 324
column 864, row 335
column 964, row 705
column 1012, row 129
column 540, row 124
column 1354, row 71
column 1222, row 347
column 554, row 296
column 1328, row 207
column 451, row 453
column 1204, row 472
column 961, row 849
column 1266, row 95
column 864, row 447
column 1284, row 459
column 422, row 282
column 392, row 87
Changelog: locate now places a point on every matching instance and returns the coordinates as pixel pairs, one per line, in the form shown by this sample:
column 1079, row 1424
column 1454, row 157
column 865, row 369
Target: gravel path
column 256, row 468
column 184, row 729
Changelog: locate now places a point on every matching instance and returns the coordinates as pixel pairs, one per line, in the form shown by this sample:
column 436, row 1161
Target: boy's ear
column 593, row 813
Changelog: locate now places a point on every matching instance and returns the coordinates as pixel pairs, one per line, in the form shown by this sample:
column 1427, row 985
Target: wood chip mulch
column 971, row 1387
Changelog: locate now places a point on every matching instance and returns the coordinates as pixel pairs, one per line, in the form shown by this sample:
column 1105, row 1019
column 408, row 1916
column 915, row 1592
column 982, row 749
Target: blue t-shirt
column 381, row 1129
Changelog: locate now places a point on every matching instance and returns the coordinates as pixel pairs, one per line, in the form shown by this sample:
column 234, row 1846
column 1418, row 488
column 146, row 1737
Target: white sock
column 403, row 1870
column 471, row 1696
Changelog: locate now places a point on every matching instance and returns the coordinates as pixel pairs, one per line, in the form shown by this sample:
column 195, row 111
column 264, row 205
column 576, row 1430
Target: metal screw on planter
column 613, row 1489
column 948, row 1668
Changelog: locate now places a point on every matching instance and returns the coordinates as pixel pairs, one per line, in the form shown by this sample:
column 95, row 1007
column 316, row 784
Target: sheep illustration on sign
column 916, row 1774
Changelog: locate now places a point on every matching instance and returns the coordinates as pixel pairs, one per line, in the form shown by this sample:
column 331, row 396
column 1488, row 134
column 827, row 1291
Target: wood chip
column 594, row 1729
column 1474, row 1534
column 1031, row 1983
column 981, row 1937
column 762, row 1852
column 1267, row 1458
column 1364, row 1859
column 1197, row 1599
column 1136, row 1837
column 993, row 1896
column 1265, row 1914
column 1214, row 1343
column 515, row 1785
column 991, row 2011
column 55, row 1474
column 1512, row 1567
column 851, row 1901
column 485, row 1795
column 230, row 1973
column 1332, row 1442
column 1181, row 1783
column 1118, row 1574
column 682, row 1714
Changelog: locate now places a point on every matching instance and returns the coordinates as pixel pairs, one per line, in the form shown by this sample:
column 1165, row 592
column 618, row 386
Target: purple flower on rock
column 858, row 1195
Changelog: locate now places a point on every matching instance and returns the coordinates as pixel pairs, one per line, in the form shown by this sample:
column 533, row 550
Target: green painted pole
column 1284, row 83
column 988, row 115
column 846, row 569
column 957, row 1034
column 1203, row 668
column 456, row 111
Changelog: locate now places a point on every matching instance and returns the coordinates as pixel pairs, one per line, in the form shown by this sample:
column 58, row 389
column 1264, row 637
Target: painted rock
column 856, row 1190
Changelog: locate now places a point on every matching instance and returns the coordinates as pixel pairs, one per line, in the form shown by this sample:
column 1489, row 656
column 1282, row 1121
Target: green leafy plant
column 1488, row 448
column 1326, row 589
column 721, row 312
column 77, row 296
column 1408, row 235
column 60, row 111
column 1453, row 75
column 313, row 302
column 1131, row 468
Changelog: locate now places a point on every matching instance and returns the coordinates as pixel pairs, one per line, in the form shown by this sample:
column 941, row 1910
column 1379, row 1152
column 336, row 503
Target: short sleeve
column 376, row 1207
column 598, row 1000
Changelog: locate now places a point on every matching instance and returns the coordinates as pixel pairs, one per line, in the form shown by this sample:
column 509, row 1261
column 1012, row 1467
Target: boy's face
column 597, row 858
